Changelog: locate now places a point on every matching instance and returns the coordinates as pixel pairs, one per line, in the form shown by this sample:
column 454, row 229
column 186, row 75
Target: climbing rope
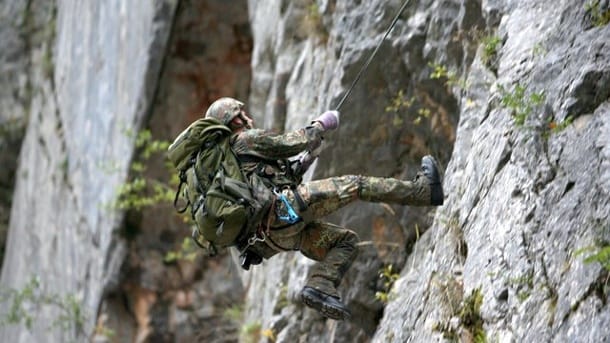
column 366, row 65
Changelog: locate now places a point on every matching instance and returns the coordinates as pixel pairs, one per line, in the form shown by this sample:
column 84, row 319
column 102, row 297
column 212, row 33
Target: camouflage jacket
column 254, row 146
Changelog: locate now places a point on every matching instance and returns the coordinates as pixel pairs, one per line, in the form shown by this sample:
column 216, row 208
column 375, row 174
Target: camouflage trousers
column 333, row 247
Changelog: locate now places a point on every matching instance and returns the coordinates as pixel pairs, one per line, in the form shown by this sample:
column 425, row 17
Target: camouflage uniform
column 265, row 154
column 332, row 246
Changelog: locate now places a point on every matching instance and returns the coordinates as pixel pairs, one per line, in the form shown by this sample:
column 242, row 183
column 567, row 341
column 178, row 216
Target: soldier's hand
column 329, row 120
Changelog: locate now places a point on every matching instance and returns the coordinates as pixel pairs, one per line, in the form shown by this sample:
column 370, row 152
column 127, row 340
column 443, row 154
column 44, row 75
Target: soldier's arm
column 278, row 146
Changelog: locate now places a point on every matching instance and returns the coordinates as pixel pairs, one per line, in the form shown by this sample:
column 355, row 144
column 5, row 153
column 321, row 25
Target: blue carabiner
column 291, row 216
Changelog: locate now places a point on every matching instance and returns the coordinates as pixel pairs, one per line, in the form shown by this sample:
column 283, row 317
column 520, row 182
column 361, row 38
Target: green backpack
column 225, row 204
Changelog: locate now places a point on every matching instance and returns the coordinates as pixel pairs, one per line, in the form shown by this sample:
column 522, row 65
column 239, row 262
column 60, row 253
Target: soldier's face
column 242, row 121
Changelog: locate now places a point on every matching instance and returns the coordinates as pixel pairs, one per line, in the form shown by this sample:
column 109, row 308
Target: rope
column 366, row 65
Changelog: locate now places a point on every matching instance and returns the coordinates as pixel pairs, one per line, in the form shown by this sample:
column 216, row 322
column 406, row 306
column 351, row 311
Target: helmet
column 225, row 109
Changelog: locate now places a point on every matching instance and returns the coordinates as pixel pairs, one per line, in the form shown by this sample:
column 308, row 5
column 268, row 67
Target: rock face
column 523, row 198
column 511, row 96
column 90, row 84
column 526, row 183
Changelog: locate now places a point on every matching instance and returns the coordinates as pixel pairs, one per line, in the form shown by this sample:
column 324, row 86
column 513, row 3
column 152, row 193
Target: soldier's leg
column 326, row 196
column 335, row 249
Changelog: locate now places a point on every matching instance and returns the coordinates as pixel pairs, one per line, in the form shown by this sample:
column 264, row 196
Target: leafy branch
column 389, row 276
column 24, row 305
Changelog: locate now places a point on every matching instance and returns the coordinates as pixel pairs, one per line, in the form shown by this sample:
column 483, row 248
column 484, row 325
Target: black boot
column 429, row 167
column 329, row 306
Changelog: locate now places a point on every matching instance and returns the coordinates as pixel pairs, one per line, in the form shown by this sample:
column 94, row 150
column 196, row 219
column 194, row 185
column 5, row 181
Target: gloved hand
column 305, row 162
column 329, row 120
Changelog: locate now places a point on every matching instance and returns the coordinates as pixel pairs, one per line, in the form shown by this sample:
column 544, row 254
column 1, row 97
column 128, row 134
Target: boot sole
column 437, row 196
column 326, row 310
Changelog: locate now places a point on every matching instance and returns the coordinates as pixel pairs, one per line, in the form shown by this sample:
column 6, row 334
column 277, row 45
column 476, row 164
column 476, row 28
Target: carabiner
column 291, row 216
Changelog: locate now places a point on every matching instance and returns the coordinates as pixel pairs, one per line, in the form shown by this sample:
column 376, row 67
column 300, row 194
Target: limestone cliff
column 89, row 71
column 511, row 96
column 526, row 183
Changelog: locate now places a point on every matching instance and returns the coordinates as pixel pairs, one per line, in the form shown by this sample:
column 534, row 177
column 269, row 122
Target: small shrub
column 251, row 332
column 401, row 103
column 234, row 313
column 389, row 276
column 469, row 314
column 596, row 254
column 188, row 251
column 141, row 191
column 24, row 306
column 554, row 127
column 312, row 23
column 490, row 49
column 521, row 104
column 599, row 16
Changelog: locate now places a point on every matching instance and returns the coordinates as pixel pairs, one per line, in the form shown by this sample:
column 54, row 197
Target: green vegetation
column 469, row 315
column 538, row 49
column 312, row 22
column 282, row 299
column 490, row 49
column 440, row 71
column 553, row 126
column 599, row 17
column 102, row 330
column 389, row 276
column 24, row 304
column 400, row 103
column 188, row 251
column 524, row 285
column 251, row 332
column 421, row 114
column 596, row 254
column 522, row 105
column 234, row 313
column 141, row 191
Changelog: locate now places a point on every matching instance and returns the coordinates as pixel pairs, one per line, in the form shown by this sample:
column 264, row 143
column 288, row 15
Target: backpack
column 225, row 205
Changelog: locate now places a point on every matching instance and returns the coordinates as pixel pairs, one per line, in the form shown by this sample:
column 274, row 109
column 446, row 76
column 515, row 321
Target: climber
column 293, row 221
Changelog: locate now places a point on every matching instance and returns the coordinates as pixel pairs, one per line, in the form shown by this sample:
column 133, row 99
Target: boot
column 329, row 306
column 429, row 169
column 425, row 189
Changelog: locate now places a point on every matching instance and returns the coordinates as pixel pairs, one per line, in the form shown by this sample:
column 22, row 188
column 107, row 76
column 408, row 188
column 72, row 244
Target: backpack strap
column 182, row 176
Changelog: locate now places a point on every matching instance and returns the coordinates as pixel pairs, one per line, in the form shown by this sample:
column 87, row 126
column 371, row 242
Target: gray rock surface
column 521, row 198
column 486, row 86
column 90, row 84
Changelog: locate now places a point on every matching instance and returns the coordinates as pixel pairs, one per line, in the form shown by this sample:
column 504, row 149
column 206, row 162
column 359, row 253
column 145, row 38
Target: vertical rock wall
column 27, row 28
column 526, row 183
column 303, row 63
column 523, row 197
column 90, row 85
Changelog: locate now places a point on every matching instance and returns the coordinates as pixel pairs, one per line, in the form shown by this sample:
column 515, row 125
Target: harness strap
column 271, row 244
column 303, row 207
column 188, row 202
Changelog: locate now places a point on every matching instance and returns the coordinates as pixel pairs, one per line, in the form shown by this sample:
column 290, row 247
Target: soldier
column 292, row 223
